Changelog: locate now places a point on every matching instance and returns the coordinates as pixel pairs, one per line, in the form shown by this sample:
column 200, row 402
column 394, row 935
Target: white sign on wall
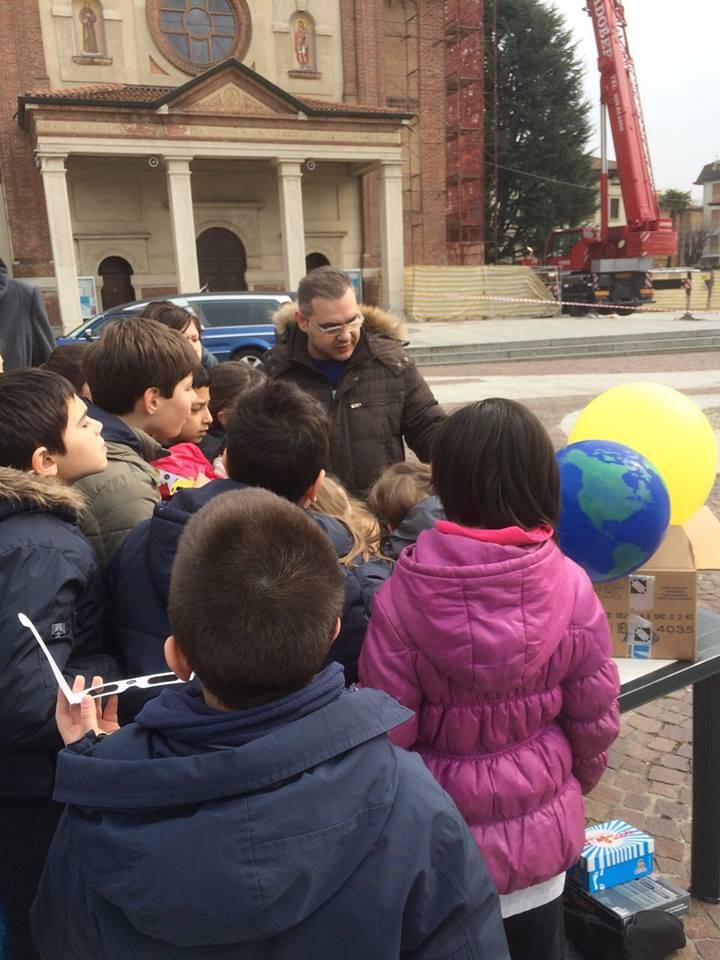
column 88, row 297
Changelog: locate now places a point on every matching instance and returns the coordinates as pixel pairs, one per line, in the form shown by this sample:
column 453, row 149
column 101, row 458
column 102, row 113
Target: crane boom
column 619, row 92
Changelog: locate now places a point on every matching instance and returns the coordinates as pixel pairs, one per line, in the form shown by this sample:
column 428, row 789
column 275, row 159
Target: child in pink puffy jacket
column 499, row 644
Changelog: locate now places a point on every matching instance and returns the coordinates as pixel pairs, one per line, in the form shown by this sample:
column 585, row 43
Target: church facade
column 150, row 148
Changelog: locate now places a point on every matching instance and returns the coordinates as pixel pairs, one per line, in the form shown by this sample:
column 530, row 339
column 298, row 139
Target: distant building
column 150, row 148
column 616, row 208
column 709, row 179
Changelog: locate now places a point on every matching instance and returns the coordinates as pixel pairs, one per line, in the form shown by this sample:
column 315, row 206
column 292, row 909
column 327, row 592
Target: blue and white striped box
column 614, row 853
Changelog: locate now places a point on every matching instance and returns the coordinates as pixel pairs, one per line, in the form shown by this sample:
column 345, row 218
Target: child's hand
column 201, row 480
column 74, row 720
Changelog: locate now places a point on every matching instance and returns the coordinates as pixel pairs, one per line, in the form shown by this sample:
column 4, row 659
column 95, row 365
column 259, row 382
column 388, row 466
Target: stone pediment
column 232, row 100
column 232, row 90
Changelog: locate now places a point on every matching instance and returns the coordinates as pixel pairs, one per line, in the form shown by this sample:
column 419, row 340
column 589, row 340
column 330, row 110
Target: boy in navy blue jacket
column 278, row 438
column 48, row 571
column 262, row 812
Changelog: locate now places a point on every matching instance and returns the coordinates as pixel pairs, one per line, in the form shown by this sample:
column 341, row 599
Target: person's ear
column 43, row 463
column 310, row 495
column 175, row 658
column 222, row 417
column 149, row 401
column 301, row 320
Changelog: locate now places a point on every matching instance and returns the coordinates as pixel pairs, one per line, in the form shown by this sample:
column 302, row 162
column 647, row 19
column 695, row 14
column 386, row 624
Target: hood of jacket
column 376, row 321
column 506, row 608
column 22, row 492
column 148, row 805
column 420, row 517
column 118, row 433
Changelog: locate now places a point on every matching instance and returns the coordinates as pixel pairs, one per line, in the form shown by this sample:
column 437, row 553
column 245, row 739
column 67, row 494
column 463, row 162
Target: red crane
column 612, row 266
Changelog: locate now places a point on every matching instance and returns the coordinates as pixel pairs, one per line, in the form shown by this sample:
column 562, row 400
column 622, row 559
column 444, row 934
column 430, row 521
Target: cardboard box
column 620, row 904
column 653, row 612
column 614, row 853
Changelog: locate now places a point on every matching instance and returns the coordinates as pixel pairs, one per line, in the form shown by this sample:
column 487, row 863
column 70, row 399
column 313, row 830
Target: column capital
column 179, row 165
column 287, row 168
column 51, row 162
column 390, row 168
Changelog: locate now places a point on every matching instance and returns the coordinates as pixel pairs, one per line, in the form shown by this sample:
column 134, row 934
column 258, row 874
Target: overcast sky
column 676, row 48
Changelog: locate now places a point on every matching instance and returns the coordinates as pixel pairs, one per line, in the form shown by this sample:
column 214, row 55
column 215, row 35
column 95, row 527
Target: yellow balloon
column 666, row 427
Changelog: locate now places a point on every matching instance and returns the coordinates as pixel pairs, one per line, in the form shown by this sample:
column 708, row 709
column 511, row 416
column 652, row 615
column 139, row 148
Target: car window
column 236, row 313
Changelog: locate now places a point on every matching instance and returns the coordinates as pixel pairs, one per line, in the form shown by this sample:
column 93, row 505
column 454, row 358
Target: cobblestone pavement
column 649, row 776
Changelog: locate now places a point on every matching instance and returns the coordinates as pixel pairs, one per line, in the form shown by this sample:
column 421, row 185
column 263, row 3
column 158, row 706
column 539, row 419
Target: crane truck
column 612, row 265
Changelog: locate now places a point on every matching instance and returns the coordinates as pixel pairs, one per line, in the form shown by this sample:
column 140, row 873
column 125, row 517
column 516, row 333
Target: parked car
column 236, row 326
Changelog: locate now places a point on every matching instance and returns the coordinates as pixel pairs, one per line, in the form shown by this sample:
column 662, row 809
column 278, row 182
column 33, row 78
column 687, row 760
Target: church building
column 152, row 147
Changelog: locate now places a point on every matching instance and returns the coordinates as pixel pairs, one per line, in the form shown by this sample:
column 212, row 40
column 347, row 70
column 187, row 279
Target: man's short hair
column 328, row 283
column 255, row 593
column 278, row 437
column 35, row 405
column 132, row 355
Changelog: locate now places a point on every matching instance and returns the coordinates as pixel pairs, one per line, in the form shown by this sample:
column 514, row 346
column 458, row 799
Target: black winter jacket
column 50, row 572
column 380, row 399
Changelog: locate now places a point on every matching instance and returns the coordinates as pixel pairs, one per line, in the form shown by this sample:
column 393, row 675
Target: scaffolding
column 465, row 138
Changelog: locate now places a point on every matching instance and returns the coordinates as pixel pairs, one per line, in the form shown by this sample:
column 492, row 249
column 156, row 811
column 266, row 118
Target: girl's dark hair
column 228, row 381
column 170, row 315
column 493, row 466
column 67, row 360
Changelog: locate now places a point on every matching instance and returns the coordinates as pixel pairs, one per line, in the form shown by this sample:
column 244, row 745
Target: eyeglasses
column 332, row 328
column 102, row 689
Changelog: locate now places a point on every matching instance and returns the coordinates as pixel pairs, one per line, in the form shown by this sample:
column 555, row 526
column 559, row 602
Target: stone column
column 183, row 224
column 392, row 250
column 292, row 223
column 57, row 202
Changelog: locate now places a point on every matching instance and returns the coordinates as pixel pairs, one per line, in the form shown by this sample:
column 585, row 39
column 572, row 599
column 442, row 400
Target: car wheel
column 253, row 357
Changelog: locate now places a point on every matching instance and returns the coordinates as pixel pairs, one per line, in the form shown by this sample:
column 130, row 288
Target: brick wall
column 23, row 65
column 406, row 69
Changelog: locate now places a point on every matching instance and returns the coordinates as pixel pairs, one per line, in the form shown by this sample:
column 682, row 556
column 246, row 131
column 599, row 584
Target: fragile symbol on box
column 641, row 593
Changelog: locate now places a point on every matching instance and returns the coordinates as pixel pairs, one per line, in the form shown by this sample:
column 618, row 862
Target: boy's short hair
column 201, row 378
column 35, row 405
column 255, row 593
column 278, row 437
column 67, row 360
column 396, row 491
column 132, row 355
column 228, row 380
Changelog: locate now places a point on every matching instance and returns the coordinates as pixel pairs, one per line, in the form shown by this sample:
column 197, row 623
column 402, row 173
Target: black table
column 704, row 675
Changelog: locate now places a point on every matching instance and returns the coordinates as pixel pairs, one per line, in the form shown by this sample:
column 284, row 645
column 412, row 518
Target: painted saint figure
column 302, row 44
column 88, row 20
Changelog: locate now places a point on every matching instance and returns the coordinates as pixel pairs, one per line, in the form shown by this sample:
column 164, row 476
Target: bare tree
column 691, row 244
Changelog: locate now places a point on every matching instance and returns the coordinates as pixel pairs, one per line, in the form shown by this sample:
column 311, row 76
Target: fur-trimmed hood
column 21, row 490
column 382, row 323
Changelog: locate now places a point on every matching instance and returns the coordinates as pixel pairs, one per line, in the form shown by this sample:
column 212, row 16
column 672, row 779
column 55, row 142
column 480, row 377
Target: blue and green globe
column 615, row 508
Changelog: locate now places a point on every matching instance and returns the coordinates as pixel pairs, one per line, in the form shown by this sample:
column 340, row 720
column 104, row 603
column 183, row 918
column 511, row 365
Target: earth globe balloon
column 615, row 508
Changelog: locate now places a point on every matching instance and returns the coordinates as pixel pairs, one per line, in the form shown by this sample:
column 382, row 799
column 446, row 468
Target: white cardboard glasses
column 103, row 689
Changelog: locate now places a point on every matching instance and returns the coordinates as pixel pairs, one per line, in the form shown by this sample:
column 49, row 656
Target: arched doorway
column 315, row 260
column 117, row 286
column 222, row 260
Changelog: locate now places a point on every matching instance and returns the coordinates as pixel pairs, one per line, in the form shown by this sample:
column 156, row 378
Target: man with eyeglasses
column 352, row 360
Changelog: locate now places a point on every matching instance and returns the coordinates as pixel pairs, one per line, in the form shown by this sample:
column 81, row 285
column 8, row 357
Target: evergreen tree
column 543, row 178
